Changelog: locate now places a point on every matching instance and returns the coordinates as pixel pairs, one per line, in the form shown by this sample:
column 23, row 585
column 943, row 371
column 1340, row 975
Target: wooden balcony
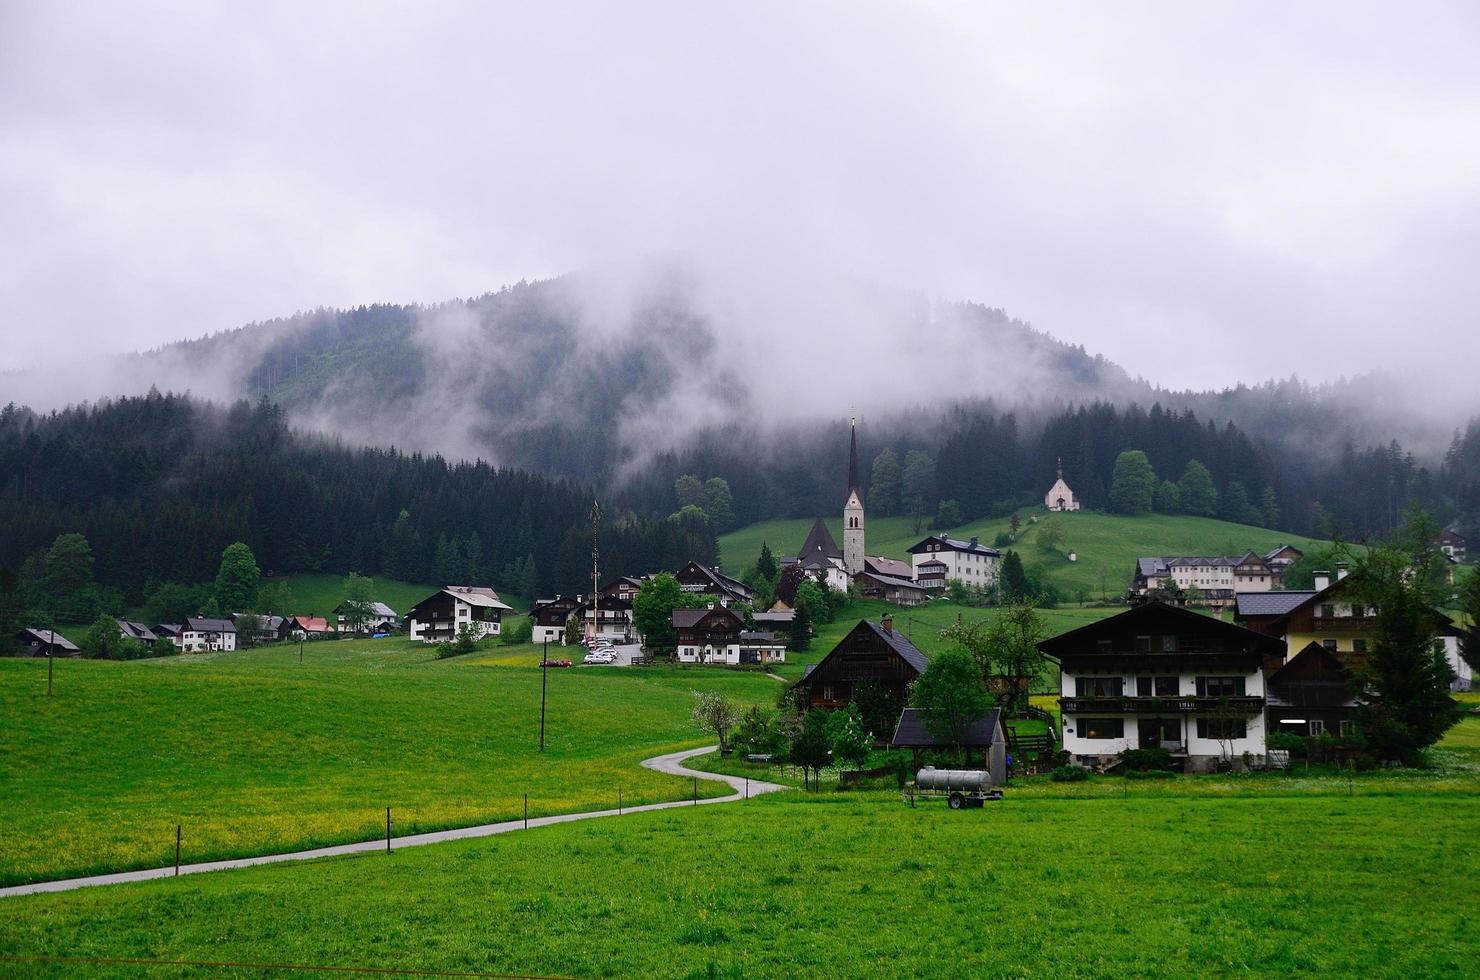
column 1176, row 705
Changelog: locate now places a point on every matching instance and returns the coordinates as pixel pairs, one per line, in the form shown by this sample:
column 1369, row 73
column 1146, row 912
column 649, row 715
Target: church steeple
column 853, row 508
column 853, row 486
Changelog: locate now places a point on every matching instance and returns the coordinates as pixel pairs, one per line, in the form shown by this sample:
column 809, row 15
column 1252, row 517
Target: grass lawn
column 317, row 595
column 1106, row 545
column 838, row 884
column 253, row 752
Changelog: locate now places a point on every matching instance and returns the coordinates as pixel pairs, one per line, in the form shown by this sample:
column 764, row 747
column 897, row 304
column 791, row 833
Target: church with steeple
column 1059, row 496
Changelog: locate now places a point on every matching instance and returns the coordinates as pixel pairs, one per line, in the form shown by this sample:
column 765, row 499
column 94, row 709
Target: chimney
column 973, row 540
column 710, row 606
column 1323, row 579
column 887, row 622
column 1341, row 570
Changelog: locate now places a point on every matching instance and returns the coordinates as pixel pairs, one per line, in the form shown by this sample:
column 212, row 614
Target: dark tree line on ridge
column 159, row 485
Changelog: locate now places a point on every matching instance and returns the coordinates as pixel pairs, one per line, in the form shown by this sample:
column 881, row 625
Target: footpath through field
column 672, row 764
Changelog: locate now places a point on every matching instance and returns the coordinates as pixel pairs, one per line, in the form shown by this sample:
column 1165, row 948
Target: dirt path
column 672, row 764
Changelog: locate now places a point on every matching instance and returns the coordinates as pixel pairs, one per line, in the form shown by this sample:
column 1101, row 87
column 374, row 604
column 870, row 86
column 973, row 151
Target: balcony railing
column 1128, row 705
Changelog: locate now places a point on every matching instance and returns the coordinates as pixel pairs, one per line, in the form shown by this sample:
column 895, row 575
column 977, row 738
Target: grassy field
column 253, row 752
column 1106, row 545
column 317, row 595
column 843, row 885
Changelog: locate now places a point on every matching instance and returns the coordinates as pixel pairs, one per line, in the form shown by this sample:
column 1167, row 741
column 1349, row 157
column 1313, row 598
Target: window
column 1144, row 687
column 1166, row 687
column 1347, row 727
column 1105, row 646
column 1099, row 687
column 827, row 692
column 1143, row 644
column 1317, row 726
column 1220, row 687
column 1102, row 728
column 1223, row 728
column 1330, row 645
column 1169, row 644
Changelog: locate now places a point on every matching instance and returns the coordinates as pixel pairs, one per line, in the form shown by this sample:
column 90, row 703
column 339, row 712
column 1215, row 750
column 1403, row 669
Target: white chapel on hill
column 1059, row 496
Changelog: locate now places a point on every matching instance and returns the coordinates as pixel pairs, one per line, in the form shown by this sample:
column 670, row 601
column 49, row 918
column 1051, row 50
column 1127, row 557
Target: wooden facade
column 870, row 653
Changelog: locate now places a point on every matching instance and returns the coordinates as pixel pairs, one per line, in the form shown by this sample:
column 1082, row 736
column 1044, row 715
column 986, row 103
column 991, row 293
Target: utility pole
column 544, row 673
column 595, row 573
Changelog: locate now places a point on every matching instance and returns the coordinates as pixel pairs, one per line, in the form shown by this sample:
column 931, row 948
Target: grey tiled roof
column 911, row 732
column 1270, row 603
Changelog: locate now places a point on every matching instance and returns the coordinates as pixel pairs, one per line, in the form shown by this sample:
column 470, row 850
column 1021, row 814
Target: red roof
column 312, row 624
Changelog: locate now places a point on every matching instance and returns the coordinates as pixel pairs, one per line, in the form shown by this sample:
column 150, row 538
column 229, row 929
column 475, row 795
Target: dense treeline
column 159, row 485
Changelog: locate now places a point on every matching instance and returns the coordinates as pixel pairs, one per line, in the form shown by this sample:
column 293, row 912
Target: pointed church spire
column 853, row 486
column 1061, row 467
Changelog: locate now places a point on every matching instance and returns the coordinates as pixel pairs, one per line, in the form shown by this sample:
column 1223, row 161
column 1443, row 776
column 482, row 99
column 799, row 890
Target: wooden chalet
column 42, row 643
column 1453, row 544
column 136, row 631
column 440, row 616
column 624, row 587
column 549, row 617
column 706, row 635
column 870, row 653
column 888, row 588
column 697, row 579
column 984, row 735
column 1311, row 694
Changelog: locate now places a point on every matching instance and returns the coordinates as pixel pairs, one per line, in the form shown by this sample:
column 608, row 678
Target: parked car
column 601, row 657
column 555, row 663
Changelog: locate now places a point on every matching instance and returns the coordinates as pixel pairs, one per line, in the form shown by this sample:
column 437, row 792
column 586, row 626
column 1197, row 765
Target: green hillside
column 1106, row 545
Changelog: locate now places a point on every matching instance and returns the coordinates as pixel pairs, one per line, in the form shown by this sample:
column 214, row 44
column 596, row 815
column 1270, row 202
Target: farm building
column 136, row 631
column 41, row 643
column 549, row 617
column 983, row 736
column 379, row 618
column 900, row 591
column 1311, row 694
column 870, row 653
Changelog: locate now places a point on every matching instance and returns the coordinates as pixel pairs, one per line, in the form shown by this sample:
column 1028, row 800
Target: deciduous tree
column 1196, row 490
column 883, row 484
column 715, row 713
column 237, row 579
column 950, row 694
column 1132, row 483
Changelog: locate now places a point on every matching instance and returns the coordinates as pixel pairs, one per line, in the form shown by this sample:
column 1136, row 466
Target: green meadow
column 1106, row 546
column 837, row 884
column 253, row 752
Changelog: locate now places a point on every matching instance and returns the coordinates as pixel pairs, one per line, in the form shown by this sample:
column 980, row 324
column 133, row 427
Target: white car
column 601, row 657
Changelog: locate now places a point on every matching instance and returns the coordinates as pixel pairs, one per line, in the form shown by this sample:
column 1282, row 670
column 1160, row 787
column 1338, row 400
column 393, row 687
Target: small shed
column 983, row 734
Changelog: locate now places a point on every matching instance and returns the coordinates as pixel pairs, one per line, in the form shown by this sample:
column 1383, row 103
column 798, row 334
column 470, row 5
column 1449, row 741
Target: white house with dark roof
column 200, row 634
column 439, row 617
column 970, row 562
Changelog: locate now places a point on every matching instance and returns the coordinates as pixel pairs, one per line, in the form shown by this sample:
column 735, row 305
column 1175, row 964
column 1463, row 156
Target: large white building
column 439, row 617
column 1160, row 676
column 969, row 562
column 201, row 635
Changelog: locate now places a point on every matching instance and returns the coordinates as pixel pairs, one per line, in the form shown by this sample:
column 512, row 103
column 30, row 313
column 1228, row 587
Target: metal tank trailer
column 960, row 787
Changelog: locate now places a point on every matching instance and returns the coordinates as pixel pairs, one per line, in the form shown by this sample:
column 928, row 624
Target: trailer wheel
column 956, row 801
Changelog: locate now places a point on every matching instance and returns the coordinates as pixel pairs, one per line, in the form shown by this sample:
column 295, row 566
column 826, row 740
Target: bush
column 522, row 631
column 1003, row 539
column 1285, row 742
column 1069, row 774
column 1142, row 760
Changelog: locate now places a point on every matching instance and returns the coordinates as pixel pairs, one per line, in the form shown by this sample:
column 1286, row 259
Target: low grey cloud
column 1205, row 193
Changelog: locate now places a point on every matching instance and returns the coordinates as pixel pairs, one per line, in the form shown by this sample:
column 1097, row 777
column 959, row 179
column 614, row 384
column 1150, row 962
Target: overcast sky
column 1205, row 193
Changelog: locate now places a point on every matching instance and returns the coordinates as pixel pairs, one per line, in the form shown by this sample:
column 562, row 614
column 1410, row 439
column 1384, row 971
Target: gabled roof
column 137, row 630
column 911, row 733
column 1149, row 616
column 973, row 546
column 59, row 642
column 1269, row 556
column 310, row 624
column 1269, row 603
column 759, row 636
column 1313, row 678
column 477, row 595
column 688, row 618
column 723, row 582
column 202, row 624
column 887, row 566
column 896, row 642
column 891, row 580
column 378, row 610
column 167, row 629
column 819, row 544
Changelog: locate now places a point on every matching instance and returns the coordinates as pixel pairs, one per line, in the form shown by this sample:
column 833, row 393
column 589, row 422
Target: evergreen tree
column 448, row 564
column 1269, row 508
column 801, row 628
column 1196, row 489
column 690, row 491
column 274, row 598
column 883, row 484
column 528, row 581
column 12, row 611
column 1132, row 483
column 237, row 579
column 472, row 569
column 766, row 564
column 1013, row 580
column 1469, row 610
column 403, row 555
column 1236, row 505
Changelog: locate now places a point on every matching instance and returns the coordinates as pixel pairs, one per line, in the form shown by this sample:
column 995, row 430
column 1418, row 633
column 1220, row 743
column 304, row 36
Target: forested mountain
column 629, row 386
column 160, row 484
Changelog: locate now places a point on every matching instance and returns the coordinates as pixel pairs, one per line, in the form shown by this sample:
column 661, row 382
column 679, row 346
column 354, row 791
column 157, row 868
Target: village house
column 201, row 634
column 1161, row 676
column 1452, row 544
column 821, row 558
column 1334, row 617
column 265, row 629
column 1059, row 496
column 624, row 587
column 130, row 630
column 308, row 627
column 168, row 631
column 983, row 736
column 549, row 616
column 970, row 562
column 379, row 618
column 43, row 643
column 870, row 653
column 697, row 579
column 717, row 635
column 889, row 588
column 439, row 617
column 1311, row 695
column 614, row 619
column 1283, row 557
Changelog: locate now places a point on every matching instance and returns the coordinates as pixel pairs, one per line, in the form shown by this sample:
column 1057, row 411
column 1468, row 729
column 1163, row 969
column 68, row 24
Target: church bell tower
column 853, row 509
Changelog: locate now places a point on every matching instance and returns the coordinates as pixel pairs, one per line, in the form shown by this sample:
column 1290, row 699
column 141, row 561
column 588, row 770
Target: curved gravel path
column 672, row 764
